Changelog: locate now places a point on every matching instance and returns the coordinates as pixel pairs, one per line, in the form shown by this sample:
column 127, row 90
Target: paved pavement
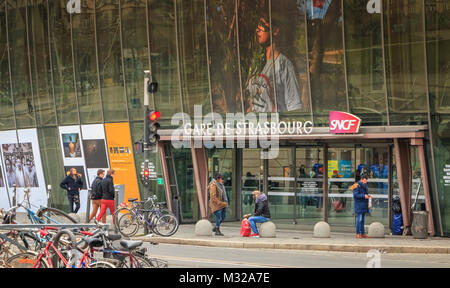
column 304, row 240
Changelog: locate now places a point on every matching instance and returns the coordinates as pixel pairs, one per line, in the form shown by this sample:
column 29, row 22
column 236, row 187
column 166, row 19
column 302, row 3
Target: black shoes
column 217, row 231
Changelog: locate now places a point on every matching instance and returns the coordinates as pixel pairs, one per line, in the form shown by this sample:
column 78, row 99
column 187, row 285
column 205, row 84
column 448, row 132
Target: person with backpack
column 361, row 202
column 96, row 194
column 73, row 184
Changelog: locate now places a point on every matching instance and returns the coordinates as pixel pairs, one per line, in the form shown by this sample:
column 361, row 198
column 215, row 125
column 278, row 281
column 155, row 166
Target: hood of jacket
column 261, row 198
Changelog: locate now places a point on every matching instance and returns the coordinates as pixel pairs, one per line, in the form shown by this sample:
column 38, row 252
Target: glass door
column 252, row 178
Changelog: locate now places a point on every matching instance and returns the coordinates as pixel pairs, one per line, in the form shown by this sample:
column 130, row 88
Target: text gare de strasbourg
column 248, row 128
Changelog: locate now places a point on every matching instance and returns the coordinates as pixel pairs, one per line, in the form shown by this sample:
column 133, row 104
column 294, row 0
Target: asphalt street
column 185, row 256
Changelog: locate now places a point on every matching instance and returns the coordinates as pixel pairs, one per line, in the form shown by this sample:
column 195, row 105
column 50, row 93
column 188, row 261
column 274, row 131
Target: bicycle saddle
column 114, row 237
column 132, row 199
column 130, row 245
column 93, row 242
column 162, row 203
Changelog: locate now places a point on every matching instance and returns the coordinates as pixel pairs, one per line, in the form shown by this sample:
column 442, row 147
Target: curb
column 299, row 246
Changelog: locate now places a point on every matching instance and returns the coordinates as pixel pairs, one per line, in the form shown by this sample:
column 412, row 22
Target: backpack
column 96, row 189
column 246, row 229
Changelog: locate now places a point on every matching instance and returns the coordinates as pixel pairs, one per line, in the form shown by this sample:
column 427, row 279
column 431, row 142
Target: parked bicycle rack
column 37, row 226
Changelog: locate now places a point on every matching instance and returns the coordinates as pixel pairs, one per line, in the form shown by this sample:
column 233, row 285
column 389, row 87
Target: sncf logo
column 344, row 123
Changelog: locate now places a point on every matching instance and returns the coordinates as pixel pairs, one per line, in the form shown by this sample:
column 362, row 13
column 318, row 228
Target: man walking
column 73, row 184
column 97, row 194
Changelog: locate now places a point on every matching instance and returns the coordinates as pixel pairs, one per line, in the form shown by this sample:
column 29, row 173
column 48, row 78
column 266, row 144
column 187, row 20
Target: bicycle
column 128, row 255
column 54, row 257
column 159, row 220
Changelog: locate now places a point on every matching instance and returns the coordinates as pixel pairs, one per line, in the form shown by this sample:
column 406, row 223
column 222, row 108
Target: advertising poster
column 94, row 148
column 23, row 168
column 120, row 152
column 73, row 157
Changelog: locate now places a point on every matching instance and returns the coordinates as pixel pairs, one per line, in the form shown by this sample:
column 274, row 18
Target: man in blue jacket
column 361, row 203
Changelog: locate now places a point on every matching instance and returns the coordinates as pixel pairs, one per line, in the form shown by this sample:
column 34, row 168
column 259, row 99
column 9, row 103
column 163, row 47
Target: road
column 183, row 256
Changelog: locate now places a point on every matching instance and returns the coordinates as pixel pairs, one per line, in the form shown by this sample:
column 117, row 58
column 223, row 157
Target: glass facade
column 300, row 58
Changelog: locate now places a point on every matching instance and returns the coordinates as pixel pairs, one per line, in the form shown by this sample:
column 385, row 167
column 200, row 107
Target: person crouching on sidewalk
column 261, row 214
column 361, row 198
column 218, row 201
column 107, row 195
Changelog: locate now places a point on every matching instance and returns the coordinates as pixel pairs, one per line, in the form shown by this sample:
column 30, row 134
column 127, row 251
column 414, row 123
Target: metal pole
column 88, row 206
column 147, row 79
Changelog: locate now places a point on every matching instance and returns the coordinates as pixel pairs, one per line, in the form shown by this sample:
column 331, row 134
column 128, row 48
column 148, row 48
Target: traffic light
column 153, row 126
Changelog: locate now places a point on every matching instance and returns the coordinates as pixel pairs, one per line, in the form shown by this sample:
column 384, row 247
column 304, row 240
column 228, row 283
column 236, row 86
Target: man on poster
column 20, row 179
column 260, row 86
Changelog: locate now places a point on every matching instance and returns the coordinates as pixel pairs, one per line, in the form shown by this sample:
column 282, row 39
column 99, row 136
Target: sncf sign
column 344, row 123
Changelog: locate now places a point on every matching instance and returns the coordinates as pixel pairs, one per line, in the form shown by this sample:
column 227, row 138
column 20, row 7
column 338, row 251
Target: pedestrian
column 361, row 198
column 107, row 196
column 97, row 194
column 261, row 214
column 73, row 184
column 218, row 201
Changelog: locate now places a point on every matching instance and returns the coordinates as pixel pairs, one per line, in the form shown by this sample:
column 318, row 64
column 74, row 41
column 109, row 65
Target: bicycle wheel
column 101, row 264
column 31, row 241
column 138, row 262
column 64, row 241
column 166, row 225
column 53, row 215
column 128, row 224
column 25, row 260
column 119, row 212
column 157, row 263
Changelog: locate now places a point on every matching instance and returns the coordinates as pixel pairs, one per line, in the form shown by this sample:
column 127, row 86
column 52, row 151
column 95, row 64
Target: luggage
column 246, row 229
column 397, row 224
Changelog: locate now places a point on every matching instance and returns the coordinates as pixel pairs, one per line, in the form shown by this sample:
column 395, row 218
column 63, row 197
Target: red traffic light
column 146, row 173
column 155, row 115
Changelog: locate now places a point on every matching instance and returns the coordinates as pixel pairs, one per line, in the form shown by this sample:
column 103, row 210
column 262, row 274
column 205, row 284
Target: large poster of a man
column 273, row 56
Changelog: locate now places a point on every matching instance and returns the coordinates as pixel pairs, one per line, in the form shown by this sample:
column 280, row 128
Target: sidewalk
column 304, row 240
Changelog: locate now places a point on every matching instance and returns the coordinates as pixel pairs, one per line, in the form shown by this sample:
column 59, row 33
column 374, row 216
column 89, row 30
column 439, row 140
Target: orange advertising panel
column 120, row 151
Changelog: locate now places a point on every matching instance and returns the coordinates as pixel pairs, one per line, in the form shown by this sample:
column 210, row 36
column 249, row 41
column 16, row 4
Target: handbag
column 337, row 205
column 246, row 229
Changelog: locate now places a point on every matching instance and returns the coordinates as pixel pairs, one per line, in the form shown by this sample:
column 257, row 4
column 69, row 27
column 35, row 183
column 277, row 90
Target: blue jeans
column 360, row 223
column 257, row 219
column 220, row 216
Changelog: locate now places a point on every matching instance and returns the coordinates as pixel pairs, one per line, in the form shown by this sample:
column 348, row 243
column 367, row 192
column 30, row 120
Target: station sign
column 344, row 123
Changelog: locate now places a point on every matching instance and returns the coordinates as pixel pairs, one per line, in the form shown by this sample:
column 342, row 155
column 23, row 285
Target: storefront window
column 52, row 164
column 326, row 58
column 438, row 45
column 345, row 167
column 221, row 161
column 61, row 51
column 40, row 63
column 164, row 63
column 135, row 53
column 7, row 111
column 194, row 63
column 252, row 178
column 405, row 63
column 20, row 72
column 364, row 57
column 309, row 202
column 89, row 100
column 441, row 137
column 223, row 61
column 110, row 60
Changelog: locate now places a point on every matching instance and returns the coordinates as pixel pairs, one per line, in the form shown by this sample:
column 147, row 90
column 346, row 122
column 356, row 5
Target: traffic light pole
column 147, row 79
